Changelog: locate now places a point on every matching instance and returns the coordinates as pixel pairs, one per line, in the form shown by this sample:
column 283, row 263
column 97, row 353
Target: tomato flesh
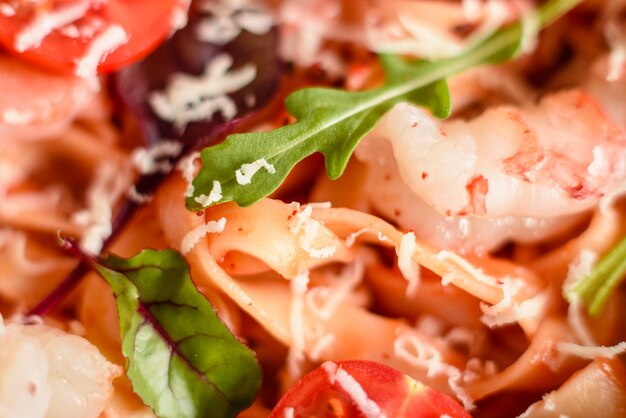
column 145, row 22
column 329, row 392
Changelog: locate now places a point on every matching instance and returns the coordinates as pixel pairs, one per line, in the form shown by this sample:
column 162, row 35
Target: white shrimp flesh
column 47, row 373
column 514, row 172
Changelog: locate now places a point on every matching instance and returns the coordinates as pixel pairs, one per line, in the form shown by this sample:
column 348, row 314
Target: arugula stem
column 332, row 122
column 69, row 283
column 546, row 14
column 596, row 288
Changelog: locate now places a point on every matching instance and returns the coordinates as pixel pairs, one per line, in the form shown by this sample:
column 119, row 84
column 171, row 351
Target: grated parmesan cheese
column 187, row 167
column 476, row 368
column 302, row 222
column 85, row 29
column 591, row 352
column 247, row 171
column 367, row 406
column 351, row 239
column 6, row 10
column 334, row 296
column 311, row 232
column 322, row 344
column 215, row 195
column 576, row 321
column 472, row 9
column 508, row 310
column 229, row 18
column 195, row 235
column 409, row 347
column 464, row 337
column 578, row 269
column 180, row 15
column 600, row 164
column 548, row 401
column 295, row 357
column 430, row 325
column 408, row 267
column 108, row 186
column 150, row 161
column 139, row 198
column 548, row 354
column 44, row 23
column 476, row 273
column 189, row 98
column 102, row 45
column 98, row 221
column 71, row 31
column 302, row 216
column 447, row 278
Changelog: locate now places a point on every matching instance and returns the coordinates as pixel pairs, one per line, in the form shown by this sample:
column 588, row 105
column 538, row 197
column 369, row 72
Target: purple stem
column 58, row 295
column 146, row 185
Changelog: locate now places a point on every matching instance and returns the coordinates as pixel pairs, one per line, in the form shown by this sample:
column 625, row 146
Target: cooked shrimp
column 524, row 172
column 556, row 158
column 388, row 195
column 48, row 373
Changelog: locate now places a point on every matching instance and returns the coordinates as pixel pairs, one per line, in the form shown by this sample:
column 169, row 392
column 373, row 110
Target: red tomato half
column 146, row 23
column 359, row 389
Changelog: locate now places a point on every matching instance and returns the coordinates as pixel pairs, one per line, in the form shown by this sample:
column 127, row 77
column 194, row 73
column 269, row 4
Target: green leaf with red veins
column 182, row 359
column 247, row 167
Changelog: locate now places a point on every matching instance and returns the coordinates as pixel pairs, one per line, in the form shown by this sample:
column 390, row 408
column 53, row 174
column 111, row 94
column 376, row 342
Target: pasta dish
column 298, row 208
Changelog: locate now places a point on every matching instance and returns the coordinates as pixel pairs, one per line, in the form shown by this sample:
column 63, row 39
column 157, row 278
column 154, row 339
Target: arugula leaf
column 596, row 288
column 182, row 359
column 332, row 122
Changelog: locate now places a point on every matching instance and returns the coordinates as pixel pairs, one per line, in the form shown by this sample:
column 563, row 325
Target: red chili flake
column 477, row 189
column 396, row 212
column 463, row 30
column 414, row 125
column 424, row 175
column 200, row 213
column 32, row 388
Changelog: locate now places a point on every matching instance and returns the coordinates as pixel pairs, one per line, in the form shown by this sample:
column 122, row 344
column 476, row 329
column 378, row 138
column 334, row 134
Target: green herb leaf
column 596, row 288
column 182, row 359
column 332, row 122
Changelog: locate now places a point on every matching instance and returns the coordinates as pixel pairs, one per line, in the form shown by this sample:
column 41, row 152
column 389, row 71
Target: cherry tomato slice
column 360, row 389
column 145, row 23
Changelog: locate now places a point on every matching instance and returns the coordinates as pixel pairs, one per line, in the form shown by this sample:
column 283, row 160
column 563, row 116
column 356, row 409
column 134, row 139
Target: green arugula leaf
column 596, row 288
column 332, row 122
column 182, row 359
